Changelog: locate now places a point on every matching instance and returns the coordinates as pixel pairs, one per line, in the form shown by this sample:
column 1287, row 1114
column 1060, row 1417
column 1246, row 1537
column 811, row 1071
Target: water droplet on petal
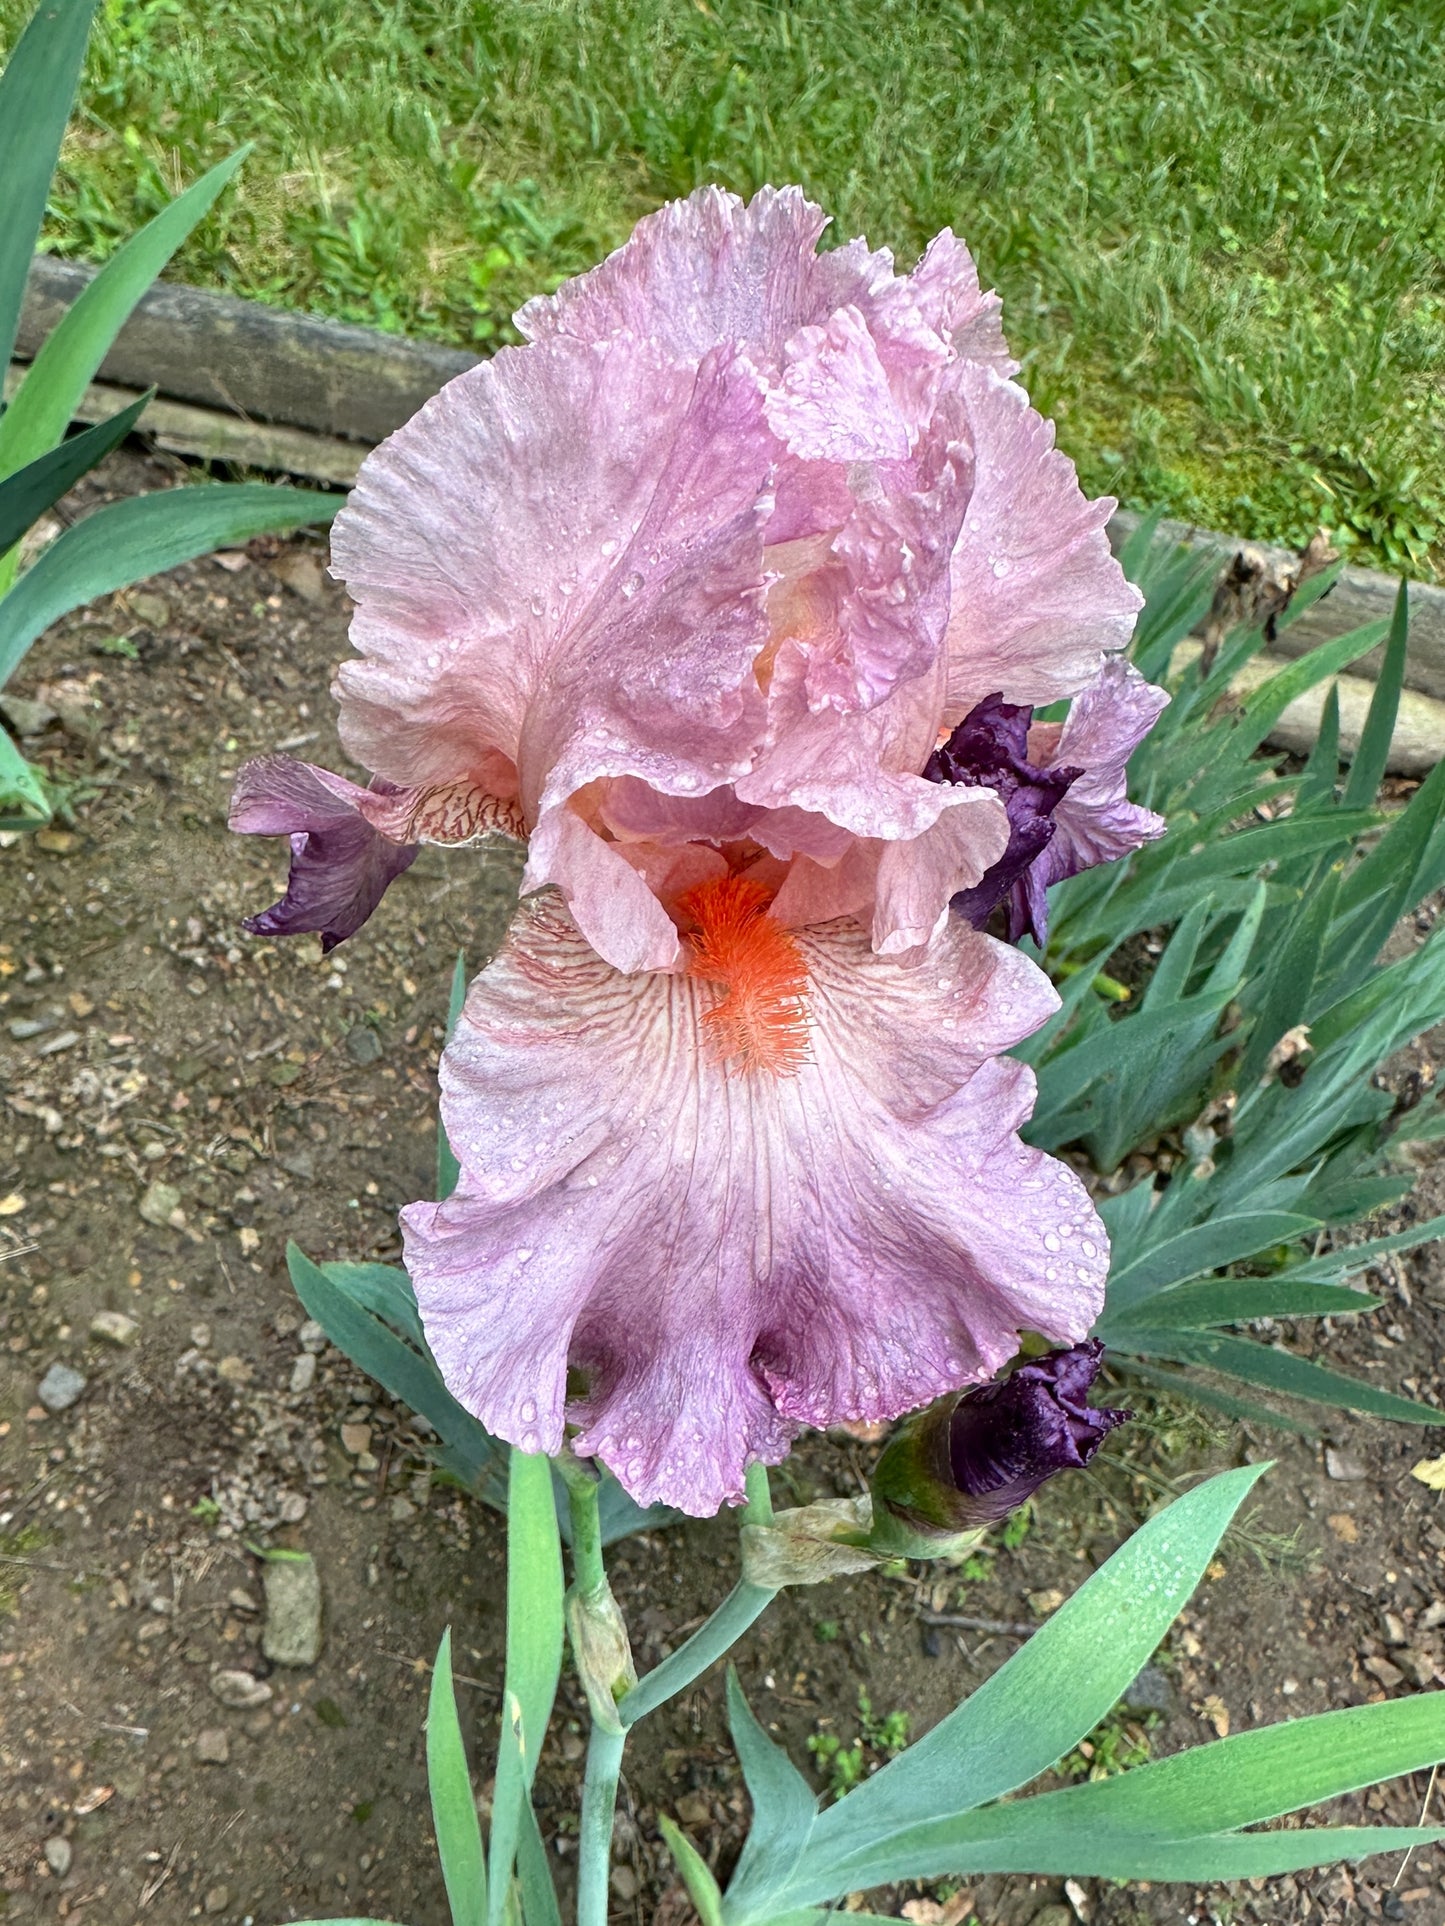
column 632, row 584
column 999, row 566
column 528, row 1411
column 1051, row 1242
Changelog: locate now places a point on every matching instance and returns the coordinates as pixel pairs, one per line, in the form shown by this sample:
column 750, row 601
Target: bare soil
column 179, row 1100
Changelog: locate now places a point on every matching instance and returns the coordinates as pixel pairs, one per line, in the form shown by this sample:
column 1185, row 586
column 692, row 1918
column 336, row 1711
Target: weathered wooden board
column 243, row 358
column 256, row 377
column 1361, row 595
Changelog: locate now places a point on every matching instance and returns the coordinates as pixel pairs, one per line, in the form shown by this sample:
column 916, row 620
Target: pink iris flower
column 686, row 592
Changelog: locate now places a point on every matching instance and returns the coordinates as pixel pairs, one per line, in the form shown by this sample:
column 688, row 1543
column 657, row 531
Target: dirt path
column 179, row 1101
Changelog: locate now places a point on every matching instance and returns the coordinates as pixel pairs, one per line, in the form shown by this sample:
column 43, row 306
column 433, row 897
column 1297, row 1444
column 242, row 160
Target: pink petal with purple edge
column 1095, row 822
column 341, row 866
column 1037, row 595
column 1108, row 720
column 840, row 768
column 730, row 1256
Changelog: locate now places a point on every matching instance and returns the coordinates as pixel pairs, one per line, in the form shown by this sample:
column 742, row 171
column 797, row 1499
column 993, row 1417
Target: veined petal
column 1037, row 595
column 727, row 1256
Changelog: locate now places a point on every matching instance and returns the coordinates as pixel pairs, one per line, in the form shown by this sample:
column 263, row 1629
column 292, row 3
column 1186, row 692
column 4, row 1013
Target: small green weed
column 1017, row 1527
column 880, row 1739
column 16, row 1548
column 1115, row 1744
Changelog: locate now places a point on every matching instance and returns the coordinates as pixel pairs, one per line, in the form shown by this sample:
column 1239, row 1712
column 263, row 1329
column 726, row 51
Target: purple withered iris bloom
column 1063, row 785
column 349, row 843
column 1005, row 1439
column 340, row 865
column 990, row 747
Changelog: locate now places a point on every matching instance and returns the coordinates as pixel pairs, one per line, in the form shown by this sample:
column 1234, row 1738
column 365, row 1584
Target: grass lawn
column 1218, row 225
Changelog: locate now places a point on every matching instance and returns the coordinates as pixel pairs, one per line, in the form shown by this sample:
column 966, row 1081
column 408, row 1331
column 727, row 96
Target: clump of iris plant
column 732, row 594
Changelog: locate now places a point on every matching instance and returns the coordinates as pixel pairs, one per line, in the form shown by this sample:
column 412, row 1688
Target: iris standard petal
column 1038, row 598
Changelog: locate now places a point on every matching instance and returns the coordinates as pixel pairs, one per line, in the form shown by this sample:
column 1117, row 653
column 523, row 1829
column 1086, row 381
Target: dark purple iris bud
column 971, row 1459
column 989, row 748
column 1005, row 1439
column 340, row 865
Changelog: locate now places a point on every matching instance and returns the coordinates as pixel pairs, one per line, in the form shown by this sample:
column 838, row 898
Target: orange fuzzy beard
column 761, row 1021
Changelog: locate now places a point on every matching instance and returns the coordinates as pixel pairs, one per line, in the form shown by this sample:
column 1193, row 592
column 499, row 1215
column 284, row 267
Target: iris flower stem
column 604, row 1748
column 599, row 1804
column 588, row 1572
column 743, row 1604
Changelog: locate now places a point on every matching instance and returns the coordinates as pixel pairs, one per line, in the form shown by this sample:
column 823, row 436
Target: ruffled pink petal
column 610, row 897
column 833, row 402
column 856, row 691
column 712, row 269
column 635, row 812
column 728, row 1256
column 560, row 558
column 820, row 892
column 917, row 880
column 1037, row 595
column 697, row 272
column 855, row 770
column 946, row 290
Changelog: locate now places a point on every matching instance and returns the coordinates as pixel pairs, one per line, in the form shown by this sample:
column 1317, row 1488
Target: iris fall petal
column 725, row 1256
